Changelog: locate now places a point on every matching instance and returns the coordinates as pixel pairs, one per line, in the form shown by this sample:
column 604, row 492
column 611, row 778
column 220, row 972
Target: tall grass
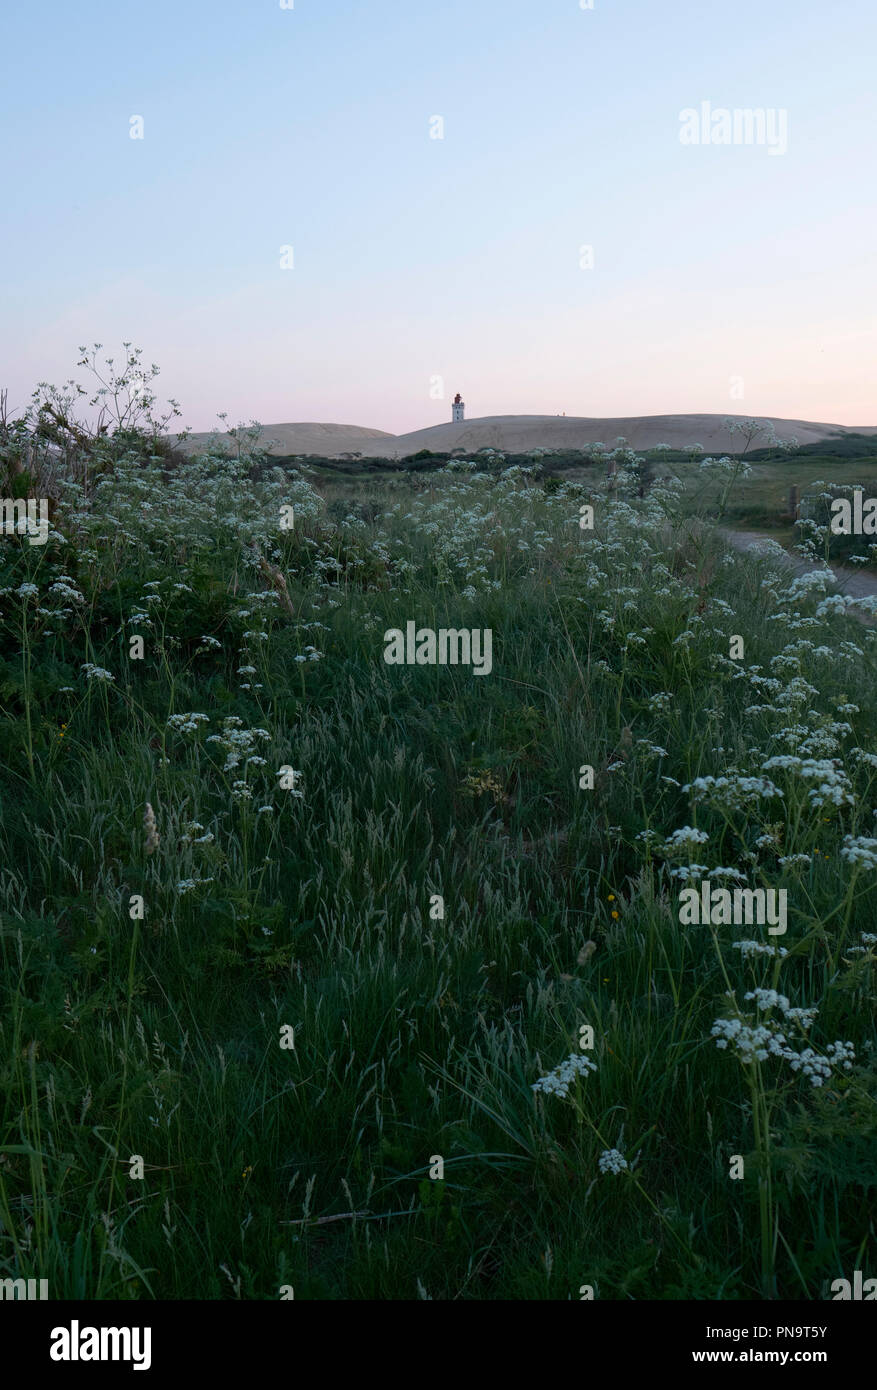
column 419, row 1035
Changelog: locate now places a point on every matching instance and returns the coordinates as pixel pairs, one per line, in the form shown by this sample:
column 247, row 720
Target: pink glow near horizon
column 438, row 208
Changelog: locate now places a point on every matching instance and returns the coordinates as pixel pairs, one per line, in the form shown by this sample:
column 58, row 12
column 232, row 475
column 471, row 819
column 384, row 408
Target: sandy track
column 849, row 581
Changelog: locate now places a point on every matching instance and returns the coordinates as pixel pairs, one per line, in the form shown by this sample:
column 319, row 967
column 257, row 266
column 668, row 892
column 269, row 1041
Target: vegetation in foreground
column 295, row 814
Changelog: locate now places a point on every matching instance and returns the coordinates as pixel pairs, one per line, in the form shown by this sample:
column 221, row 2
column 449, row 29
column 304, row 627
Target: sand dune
column 519, row 433
column 322, row 440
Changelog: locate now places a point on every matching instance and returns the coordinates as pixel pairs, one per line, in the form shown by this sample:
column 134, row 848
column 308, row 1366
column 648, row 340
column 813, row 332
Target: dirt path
column 857, row 583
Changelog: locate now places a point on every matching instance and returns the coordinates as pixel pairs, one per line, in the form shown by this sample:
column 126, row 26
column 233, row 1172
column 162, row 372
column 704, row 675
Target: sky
column 437, row 169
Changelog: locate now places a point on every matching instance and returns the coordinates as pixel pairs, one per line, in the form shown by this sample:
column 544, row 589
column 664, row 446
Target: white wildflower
column 612, row 1161
column 558, row 1082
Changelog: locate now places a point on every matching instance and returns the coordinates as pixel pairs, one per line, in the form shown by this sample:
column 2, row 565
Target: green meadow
column 368, row 981
column 760, row 499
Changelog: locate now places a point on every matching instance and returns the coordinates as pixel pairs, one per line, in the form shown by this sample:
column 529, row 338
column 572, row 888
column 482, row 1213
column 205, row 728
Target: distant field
column 762, row 500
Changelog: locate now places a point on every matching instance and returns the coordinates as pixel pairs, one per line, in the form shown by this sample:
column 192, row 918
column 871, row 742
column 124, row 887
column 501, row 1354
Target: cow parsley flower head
column 188, row 885
column 861, row 850
column 65, row 590
column 187, row 723
column 688, row 835
column 769, row 999
column 734, row 792
column 756, row 1042
column 759, row 948
column 612, row 1161
column 750, row 1044
column 558, row 1082
column 686, row 872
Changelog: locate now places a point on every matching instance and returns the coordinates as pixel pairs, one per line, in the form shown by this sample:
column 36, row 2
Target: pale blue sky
column 459, row 258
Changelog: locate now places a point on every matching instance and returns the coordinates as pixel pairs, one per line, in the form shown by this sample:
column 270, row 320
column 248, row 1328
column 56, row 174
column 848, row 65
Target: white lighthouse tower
column 458, row 407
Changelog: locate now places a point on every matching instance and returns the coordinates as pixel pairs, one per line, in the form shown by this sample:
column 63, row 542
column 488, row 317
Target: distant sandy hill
column 322, row 440
column 520, row 433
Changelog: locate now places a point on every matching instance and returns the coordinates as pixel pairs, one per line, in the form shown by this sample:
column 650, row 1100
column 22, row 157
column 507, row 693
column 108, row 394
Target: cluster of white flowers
column 767, row 841
column 869, row 941
column 756, row 1042
column 63, row 587
column 750, row 1043
column 239, row 743
column 660, row 702
column 733, row 792
column 814, row 581
column 96, row 673
column 558, row 1082
column 187, row 723
column 205, row 501
column 194, row 834
column 612, row 1161
column 188, row 885
column 759, row 948
column 480, row 528
column 688, row 835
column 834, row 604
column 818, row 1069
column 861, row 850
column 651, row 750
column 687, row 872
column 834, row 786
column 769, row 999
